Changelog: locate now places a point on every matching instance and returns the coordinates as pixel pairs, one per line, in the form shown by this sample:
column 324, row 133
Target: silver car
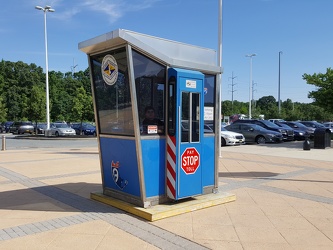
column 61, row 129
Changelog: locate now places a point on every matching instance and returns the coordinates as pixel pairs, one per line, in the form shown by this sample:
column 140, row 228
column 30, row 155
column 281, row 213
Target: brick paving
column 284, row 200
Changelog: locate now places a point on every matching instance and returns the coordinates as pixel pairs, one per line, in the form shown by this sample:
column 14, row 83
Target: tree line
column 23, row 97
column 321, row 109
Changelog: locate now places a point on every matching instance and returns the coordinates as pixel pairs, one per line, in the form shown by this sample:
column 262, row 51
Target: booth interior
column 157, row 111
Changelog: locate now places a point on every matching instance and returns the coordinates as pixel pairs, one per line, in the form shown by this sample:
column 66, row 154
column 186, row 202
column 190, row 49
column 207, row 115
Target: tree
column 3, row 111
column 323, row 95
column 37, row 107
column 267, row 106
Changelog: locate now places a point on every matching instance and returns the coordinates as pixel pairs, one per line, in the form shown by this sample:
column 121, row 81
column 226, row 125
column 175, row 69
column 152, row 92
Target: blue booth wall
column 208, row 161
column 122, row 153
column 120, row 165
column 153, row 159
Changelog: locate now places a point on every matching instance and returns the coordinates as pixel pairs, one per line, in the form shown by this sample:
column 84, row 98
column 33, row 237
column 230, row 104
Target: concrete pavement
column 284, row 200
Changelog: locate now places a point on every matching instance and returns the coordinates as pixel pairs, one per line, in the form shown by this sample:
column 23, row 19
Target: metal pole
column 47, row 76
column 219, row 96
column 3, row 143
column 46, row 9
column 279, row 86
column 250, row 85
column 250, row 90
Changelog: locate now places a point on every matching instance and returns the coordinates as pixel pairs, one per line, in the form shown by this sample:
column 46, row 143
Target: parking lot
column 284, row 200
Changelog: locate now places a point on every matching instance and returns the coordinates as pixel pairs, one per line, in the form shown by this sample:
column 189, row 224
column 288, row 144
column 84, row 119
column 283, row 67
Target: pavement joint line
column 258, row 181
column 279, row 164
column 296, row 194
column 34, row 160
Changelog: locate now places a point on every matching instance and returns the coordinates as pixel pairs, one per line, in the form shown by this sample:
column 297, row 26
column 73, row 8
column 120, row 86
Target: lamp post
column 279, row 101
column 250, row 87
column 47, row 8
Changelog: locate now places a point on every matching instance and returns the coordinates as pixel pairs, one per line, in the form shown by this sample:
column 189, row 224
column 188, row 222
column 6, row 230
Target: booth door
column 191, row 127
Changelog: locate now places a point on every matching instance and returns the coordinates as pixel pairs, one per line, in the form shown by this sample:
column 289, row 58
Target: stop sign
column 190, row 160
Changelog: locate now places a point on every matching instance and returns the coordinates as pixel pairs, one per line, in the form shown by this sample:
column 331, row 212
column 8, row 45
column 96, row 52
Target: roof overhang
column 174, row 54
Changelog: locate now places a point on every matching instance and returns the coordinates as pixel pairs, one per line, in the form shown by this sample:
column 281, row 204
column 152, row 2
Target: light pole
column 47, row 8
column 250, row 87
column 279, row 101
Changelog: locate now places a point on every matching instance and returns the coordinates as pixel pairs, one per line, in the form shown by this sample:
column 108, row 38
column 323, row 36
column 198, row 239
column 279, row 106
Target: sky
column 299, row 30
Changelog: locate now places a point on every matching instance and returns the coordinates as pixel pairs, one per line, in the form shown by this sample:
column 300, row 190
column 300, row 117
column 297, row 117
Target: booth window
column 209, row 100
column 150, row 78
column 172, row 106
column 190, row 124
column 113, row 102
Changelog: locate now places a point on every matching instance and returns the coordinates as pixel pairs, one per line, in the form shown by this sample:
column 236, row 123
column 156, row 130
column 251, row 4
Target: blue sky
column 301, row 29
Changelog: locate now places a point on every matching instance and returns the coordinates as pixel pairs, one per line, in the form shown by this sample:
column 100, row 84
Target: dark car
column 255, row 133
column 2, row 127
column 312, row 124
column 84, row 128
column 299, row 134
column 300, row 127
column 21, row 127
column 288, row 134
column 6, row 126
column 40, row 128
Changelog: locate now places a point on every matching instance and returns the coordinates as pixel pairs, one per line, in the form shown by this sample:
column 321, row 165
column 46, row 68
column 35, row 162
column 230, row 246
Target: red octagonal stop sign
column 190, row 160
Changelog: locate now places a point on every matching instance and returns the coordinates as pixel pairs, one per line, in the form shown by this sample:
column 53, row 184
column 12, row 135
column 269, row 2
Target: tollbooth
column 157, row 111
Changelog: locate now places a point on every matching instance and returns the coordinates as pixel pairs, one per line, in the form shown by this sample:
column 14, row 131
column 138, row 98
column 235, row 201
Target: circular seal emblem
column 109, row 70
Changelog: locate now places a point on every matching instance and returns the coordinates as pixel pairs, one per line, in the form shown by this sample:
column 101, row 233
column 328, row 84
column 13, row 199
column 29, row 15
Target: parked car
column 288, row 134
column 276, row 120
column 299, row 134
column 40, row 128
column 7, row 124
column 231, row 138
column 255, row 133
column 309, row 131
column 21, row 127
column 329, row 125
column 61, row 129
column 2, row 127
column 312, row 124
column 84, row 128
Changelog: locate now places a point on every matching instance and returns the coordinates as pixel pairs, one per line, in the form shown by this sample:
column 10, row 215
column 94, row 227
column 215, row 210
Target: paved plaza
column 284, row 200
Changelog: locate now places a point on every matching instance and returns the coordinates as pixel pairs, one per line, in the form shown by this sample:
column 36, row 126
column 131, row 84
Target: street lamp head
column 46, row 8
column 250, row 55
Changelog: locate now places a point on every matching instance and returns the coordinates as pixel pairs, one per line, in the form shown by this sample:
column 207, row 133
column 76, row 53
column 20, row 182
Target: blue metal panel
column 119, row 165
column 153, row 159
column 208, row 162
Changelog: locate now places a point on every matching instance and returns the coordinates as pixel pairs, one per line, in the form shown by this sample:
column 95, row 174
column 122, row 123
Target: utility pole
column 253, row 90
column 73, row 67
column 279, row 85
column 232, row 91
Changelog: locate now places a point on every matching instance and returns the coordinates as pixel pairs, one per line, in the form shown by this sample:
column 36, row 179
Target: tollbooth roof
column 174, row 54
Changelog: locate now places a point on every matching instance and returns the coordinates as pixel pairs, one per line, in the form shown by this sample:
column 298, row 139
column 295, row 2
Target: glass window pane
column 113, row 102
column 150, row 78
column 195, row 117
column 185, row 115
column 172, row 107
column 209, row 100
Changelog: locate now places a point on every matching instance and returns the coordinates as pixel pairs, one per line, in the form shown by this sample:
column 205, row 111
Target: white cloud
column 112, row 9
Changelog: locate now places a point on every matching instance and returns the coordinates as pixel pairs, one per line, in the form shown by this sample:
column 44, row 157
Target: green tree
column 267, row 106
column 37, row 107
column 3, row 111
column 323, row 95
